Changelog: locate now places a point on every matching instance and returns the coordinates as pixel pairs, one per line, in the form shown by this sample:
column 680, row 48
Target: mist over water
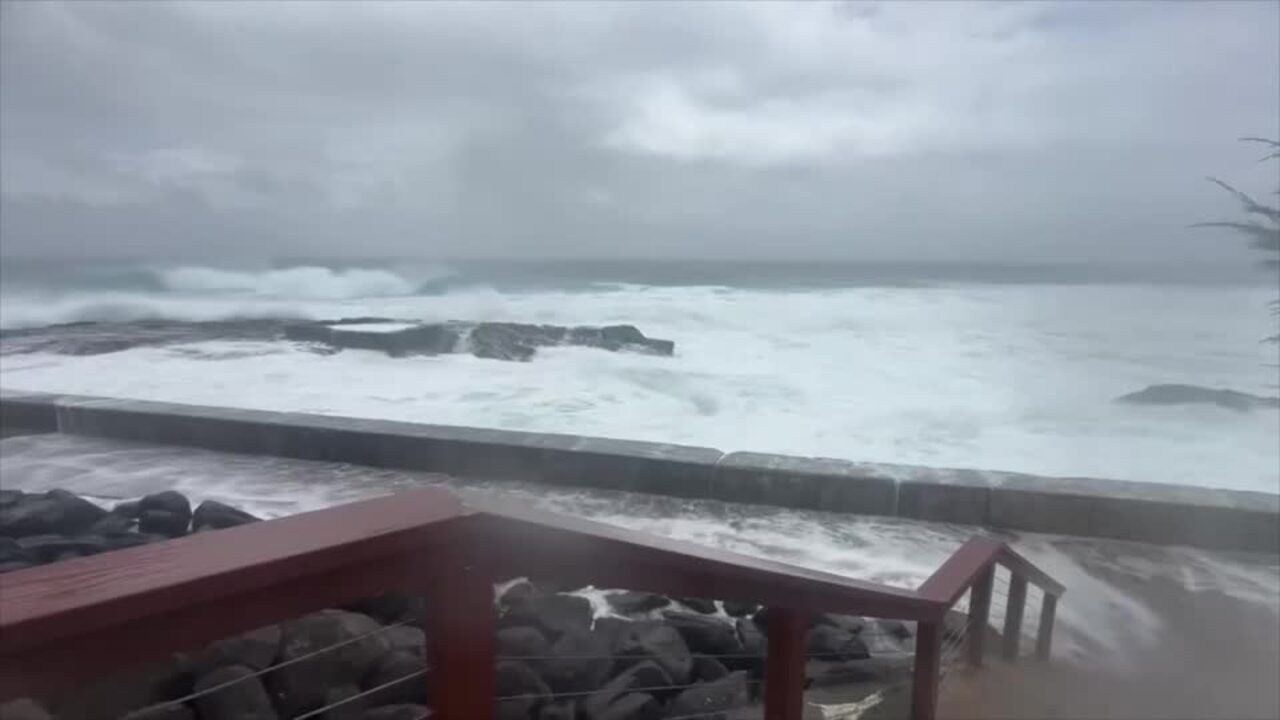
column 980, row 366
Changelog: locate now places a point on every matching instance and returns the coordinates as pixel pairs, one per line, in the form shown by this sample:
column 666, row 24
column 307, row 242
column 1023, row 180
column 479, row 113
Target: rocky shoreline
column 564, row 654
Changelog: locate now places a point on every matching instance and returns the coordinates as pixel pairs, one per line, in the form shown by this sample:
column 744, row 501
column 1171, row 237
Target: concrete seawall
column 1166, row 514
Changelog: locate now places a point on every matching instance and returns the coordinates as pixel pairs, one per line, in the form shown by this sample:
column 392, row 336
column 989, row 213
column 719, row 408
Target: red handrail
column 73, row 620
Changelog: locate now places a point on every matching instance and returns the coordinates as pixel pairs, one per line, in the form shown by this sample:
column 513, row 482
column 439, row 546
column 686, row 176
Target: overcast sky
column 897, row 130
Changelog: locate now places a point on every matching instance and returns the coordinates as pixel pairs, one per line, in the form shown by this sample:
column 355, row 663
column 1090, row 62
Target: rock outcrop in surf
column 1197, row 395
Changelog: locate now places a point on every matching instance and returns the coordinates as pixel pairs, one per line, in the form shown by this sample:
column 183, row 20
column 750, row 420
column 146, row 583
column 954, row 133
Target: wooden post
column 1013, row 615
column 979, row 611
column 1044, row 636
column 461, row 630
column 925, row 678
column 784, row 664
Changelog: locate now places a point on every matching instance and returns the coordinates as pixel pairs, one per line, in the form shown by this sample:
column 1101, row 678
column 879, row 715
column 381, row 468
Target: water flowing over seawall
column 955, row 372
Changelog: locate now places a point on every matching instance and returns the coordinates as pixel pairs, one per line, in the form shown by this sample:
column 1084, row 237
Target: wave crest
column 304, row 283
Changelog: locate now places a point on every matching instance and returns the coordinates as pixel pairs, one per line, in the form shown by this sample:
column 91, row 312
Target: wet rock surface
column 396, row 337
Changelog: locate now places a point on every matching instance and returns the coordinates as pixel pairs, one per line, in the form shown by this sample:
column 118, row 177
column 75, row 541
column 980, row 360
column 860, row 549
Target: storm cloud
column 901, row 130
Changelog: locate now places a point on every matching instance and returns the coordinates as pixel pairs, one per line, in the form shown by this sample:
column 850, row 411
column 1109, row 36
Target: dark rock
column 517, row 594
column 307, row 332
column 400, row 678
column 896, row 629
column 47, row 548
column 344, row 702
column 24, row 709
column 499, row 341
column 888, row 670
column 634, row 603
column 243, row 697
column 391, row 607
column 832, row 643
column 170, row 501
column 299, row 686
column 161, row 711
column 11, row 565
column 755, row 647
column 1196, row 395
column 129, row 509
column 162, row 522
column 702, row 605
column 578, row 662
column 522, row 642
column 660, row 642
column 612, row 629
column 848, row 623
column 735, row 608
column 56, row 512
column 128, row 540
column 406, row 638
column 636, row 706
column 646, row 676
column 559, row 710
column 556, row 614
column 10, row 497
column 707, row 669
column 112, row 524
column 519, row 690
column 219, row 516
column 13, row 551
column 727, row 693
column 256, row 650
column 705, row 635
column 397, row 712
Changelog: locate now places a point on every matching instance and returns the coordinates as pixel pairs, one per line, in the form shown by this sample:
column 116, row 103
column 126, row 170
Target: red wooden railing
column 75, row 620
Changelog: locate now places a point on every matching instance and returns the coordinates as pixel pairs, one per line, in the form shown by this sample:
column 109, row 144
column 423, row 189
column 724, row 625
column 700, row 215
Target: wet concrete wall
column 1150, row 512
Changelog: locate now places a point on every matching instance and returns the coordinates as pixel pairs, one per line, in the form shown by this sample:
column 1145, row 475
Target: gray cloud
column 1056, row 131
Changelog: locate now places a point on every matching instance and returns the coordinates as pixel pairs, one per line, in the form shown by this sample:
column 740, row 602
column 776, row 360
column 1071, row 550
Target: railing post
column 784, row 664
column 461, row 629
column 1013, row 615
column 1044, row 635
column 979, row 611
column 925, row 678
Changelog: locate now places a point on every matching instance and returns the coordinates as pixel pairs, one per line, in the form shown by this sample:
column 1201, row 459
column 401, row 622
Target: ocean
column 981, row 366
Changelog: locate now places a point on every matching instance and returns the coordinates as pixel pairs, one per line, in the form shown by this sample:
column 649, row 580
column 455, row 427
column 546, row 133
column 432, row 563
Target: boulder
column 129, row 509
column 111, row 524
column 242, row 698
column 702, row 605
column 634, row 603
column 170, row 501
column 894, row 628
column 344, row 702
column 517, row 593
column 163, row 522
column 24, row 709
column 555, row 614
column 734, row 608
column 399, row 677
column 161, row 711
column 646, row 676
column 755, row 647
column 705, row 635
column 56, row 512
column 519, row 690
column 711, row 698
column 391, row 607
column 832, row 643
column 128, row 540
column 706, row 669
column 48, row 548
column 300, row 686
column 559, row 710
column 406, row 638
column 578, row 662
column 396, row 712
column 1174, row 394
column 499, row 341
column 849, row 623
column 522, row 642
column 256, row 650
column 13, row 551
column 216, row 515
column 636, row 706
column 659, row 642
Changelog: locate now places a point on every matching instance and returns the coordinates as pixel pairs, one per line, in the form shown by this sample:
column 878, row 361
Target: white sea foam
column 307, row 283
column 1016, row 378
